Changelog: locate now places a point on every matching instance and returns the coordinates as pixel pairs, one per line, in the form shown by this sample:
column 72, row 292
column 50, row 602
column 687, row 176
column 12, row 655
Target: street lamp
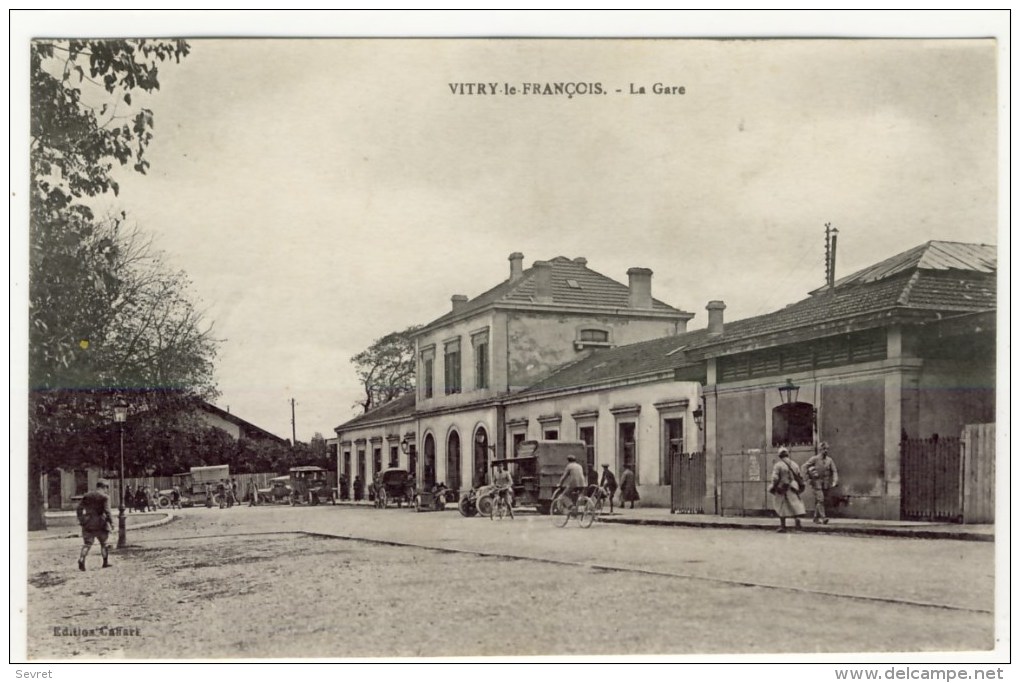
column 788, row 392
column 120, row 417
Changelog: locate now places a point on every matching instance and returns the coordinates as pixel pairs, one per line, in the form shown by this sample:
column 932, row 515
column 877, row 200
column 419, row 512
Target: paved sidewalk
column 865, row 527
column 869, row 527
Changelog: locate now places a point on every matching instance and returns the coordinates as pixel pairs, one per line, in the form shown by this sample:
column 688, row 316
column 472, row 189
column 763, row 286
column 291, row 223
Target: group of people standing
column 142, row 499
column 788, row 483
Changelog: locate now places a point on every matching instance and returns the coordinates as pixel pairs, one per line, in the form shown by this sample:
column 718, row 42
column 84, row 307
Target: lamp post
column 788, row 392
column 120, row 417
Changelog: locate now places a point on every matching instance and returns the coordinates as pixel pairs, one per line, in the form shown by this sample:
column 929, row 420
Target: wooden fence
column 979, row 473
column 950, row 479
column 687, row 492
column 931, row 479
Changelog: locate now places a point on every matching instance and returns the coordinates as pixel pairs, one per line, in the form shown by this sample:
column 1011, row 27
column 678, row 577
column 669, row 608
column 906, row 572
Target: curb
column 837, row 530
column 144, row 525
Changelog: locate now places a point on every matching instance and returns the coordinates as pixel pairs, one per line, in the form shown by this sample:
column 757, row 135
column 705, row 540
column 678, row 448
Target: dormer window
column 592, row 337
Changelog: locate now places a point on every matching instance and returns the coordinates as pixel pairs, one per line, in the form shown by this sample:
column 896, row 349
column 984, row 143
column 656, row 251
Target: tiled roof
column 926, row 283
column 934, row 255
column 402, row 406
column 573, row 284
column 642, row 358
column 936, row 276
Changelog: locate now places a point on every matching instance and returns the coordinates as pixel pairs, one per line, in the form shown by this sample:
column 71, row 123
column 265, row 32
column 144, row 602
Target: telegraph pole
column 293, row 425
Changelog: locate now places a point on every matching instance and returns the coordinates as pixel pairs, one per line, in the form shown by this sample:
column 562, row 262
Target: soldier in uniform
column 823, row 476
column 96, row 522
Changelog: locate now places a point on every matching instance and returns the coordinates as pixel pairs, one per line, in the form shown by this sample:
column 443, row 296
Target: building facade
column 903, row 349
column 498, row 344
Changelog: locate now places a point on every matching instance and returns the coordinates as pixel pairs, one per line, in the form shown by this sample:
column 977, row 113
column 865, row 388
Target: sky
column 323, row 193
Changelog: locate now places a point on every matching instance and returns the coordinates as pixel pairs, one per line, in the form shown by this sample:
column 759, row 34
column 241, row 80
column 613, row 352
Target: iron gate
column 687, row 491
column 931, row 479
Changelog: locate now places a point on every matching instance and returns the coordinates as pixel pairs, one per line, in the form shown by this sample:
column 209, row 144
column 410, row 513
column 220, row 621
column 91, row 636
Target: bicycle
column 584, row 509
column 500, row 507
column 595, row 497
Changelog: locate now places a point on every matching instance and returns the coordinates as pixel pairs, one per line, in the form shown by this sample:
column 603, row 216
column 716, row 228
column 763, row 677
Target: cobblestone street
column 341, row 582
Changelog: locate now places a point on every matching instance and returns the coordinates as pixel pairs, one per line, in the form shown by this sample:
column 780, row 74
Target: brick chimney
column 581, row 261
column 459, row 300
column 543, row 282
column 715, row 317
column 640, row 287
column 516, row 266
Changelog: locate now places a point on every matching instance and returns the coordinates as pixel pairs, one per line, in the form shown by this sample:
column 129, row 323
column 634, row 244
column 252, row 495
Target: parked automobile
column 477, row 500
column 192, row 485
column 310, row 484
column 278, row 491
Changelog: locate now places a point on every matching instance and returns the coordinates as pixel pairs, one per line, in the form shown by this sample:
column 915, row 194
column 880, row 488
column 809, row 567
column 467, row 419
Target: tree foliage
column 387, row 368
column 106, row 318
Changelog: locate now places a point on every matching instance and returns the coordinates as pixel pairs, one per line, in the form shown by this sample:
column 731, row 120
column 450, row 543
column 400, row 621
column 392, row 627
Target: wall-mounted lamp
column 403, row 446
column 788, row 391
column 699, row 417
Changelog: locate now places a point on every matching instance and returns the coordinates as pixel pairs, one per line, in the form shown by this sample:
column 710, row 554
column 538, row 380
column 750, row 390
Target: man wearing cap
column 503, row 482
column 822, row 473
column 96, row 522
column 608, row 482
column 785, row 489
column 573, row 481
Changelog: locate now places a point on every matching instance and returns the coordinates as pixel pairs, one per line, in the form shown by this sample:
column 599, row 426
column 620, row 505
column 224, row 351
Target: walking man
column 628, row 487
column 785, row 488
column 96, row 522
column 822, row 474
column 608, row 483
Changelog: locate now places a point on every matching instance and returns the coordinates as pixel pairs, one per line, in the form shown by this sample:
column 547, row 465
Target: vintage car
column 477, row 500
column 310, row 484
column 278, row 491
column 192, row 486
column 394, row 485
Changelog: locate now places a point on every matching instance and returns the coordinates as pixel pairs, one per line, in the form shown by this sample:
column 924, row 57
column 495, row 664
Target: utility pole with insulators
column 293, row 425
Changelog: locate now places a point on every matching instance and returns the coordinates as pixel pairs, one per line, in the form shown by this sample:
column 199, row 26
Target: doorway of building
column 429, row 470
column 453, row 461
column 481, row 459
column 53, row 497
